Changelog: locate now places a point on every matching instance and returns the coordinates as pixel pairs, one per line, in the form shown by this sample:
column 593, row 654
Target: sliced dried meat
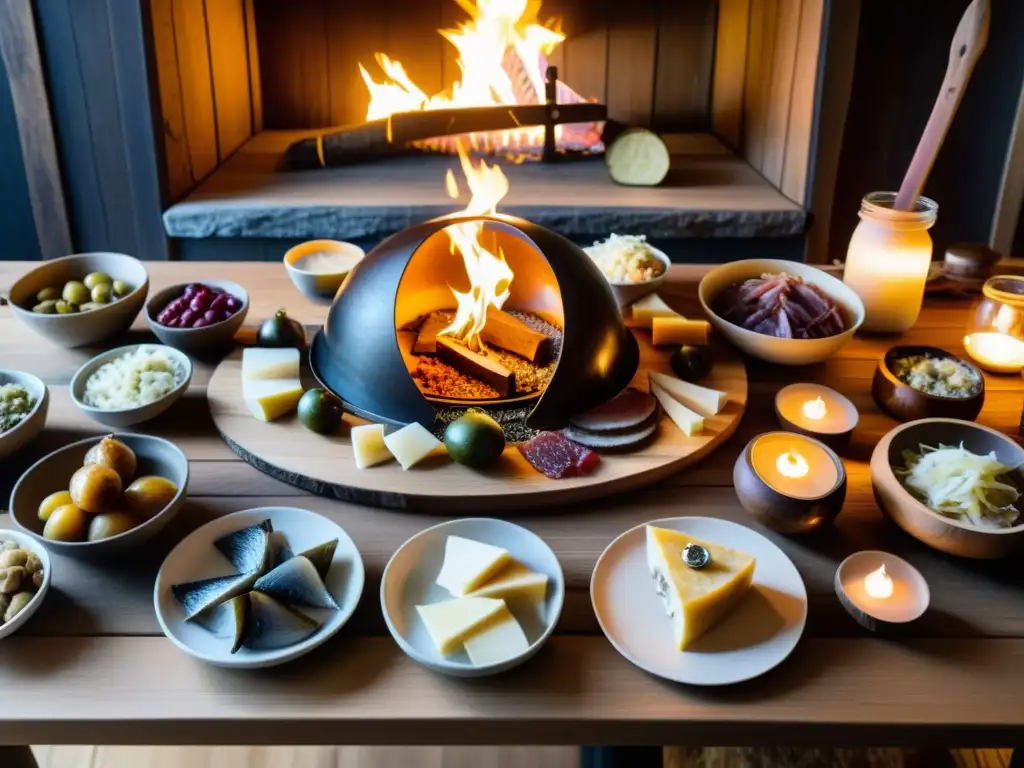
column 613, row 441
column 556, row 456
column 780, row 305
column 629, row 409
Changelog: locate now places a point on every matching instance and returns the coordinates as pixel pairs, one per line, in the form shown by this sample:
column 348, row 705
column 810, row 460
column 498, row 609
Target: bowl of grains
column 631, row 265
column 916, row 382
column 24, row 401
column 130, row 385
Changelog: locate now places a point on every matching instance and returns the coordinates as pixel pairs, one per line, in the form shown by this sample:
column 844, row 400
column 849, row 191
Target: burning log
column 426, row 339
column 510, row 333
column 490, row 372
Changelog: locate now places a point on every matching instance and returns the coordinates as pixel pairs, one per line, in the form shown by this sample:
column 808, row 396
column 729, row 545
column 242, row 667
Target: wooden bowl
column 13, row 440
column 84, row 327
column 155, row 455
column 904, row 403
column 778, row 511
column 943, row 533
column 197, row 341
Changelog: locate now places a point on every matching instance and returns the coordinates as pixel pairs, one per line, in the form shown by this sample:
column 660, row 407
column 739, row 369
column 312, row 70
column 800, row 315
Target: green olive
column 66, row 308
column 75, row 292
column 89, row 306
column 101, row 293
column 96, row 278
column 48, row 294
column 48, row 307
column 17, row 604
column 121, row 288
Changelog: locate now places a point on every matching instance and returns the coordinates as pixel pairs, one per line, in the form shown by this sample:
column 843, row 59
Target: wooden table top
column 93, row 667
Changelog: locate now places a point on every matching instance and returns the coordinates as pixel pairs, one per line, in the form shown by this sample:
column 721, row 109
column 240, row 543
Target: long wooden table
column 93, row 667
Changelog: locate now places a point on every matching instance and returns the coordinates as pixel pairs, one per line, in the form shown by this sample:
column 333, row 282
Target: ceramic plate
column 758, row 635
column 409, row 581
column 196, row 558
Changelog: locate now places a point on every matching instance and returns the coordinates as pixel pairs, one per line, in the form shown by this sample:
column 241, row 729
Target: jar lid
column 1006, row 289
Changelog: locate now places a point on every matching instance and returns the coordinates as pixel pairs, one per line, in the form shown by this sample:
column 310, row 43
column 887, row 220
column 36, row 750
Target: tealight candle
column 790, row 482
column 994, row 334
column 881, row 591
column 996, row 352
column 818, row 412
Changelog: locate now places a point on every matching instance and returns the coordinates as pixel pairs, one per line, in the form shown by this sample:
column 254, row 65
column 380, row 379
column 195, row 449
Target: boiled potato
column 149, row 496
column 95, row 488
column 111, row 452
column 67, row 523
column 51, row 502
column 110, row 524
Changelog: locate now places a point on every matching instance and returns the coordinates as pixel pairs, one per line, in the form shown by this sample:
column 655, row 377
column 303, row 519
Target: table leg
column 621, row 757
column 17, row 757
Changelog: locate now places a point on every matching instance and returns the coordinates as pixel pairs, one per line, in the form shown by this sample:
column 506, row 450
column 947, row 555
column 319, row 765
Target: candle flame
column 1004, row 319
column 878, row 584
column 815, row 409
column 792, row 464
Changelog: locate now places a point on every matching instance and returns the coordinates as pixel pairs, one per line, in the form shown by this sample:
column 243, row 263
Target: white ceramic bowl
column 84, row 327
column 27, row 542
column 28, row 430
column 196, row 558
column 770, row 348
column 320, row 287
column 409, row 581
column 126, row 417
column 198, row 340
column 627, row 293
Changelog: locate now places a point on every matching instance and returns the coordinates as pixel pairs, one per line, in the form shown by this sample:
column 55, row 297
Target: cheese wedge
column 412, row 444
column 271, row 398
column 469, row 564
column 450, row 622
column 708, row 402
column 369, row 446
column 696, row 599
column 515, row 580
column 679, row 330
column 647, row 308
column 498, row 639
column 261, row 364
column 691, row 423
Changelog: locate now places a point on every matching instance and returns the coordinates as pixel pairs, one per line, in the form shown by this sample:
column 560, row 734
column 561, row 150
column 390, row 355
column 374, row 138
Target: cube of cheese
column 369, row 446
column 704, row 400
column 498, row 639
column 513, row 581
column 450, row 622
column 469, row 564
column 260, row 364
column 271, row 399
column 679, row 330
column 691, row 423
column 647, row 308
column 412, row 444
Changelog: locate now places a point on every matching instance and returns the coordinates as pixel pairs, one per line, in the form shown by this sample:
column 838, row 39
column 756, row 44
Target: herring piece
column 296, row 582
column 248, row 549
column 199, row 598
column 273, row 625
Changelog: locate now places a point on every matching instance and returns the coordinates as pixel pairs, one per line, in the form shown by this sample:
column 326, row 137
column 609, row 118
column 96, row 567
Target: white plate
column 409, row 581
column 758, row 635
column 196, row 558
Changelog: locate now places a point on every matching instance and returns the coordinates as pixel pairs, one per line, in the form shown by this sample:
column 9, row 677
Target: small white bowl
column 126, row 417
column 321, row 287
column 33, row 546
column 81, row 328
column 770, row 348
column 197, row 340
column 28, row 430
column 627, row 293
column 409, row 581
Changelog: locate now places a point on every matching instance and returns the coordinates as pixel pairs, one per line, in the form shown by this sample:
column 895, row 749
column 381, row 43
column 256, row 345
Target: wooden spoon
column 968, row 43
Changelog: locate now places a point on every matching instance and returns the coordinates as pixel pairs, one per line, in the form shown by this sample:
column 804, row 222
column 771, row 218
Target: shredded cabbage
column 625, row 258
column 957, row 483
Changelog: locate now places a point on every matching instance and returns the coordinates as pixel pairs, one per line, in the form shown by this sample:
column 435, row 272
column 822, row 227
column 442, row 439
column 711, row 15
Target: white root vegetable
column 637, row 157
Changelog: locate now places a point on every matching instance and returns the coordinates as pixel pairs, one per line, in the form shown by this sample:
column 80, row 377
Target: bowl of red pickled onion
column 198, row 317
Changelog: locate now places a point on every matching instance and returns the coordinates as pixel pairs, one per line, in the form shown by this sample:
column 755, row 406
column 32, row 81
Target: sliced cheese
column 649, row 307
column 450, row 622
column 679, row 330
column 704, row 400
column 691, row 423
column 498, row 639
column 261, row 364
column 515, row 580
column 271, row 399
column 469, row 564
column 369, row 446
column 412, row 444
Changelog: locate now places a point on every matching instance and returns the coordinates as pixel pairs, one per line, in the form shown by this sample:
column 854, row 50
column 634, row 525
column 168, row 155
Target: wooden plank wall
column 208, row 97
column 650, row 60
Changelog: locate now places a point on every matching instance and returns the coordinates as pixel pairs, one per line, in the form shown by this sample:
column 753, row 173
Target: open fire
column 502, row 56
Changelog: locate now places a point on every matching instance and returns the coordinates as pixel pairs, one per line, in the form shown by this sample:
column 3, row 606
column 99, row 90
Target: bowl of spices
column 24, row 401
column 918, row 382
column 319, row 267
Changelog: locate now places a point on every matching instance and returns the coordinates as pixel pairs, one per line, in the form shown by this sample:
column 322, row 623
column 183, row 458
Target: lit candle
column 815, row 409
column 818, row 412
column 881, row 590
column 794, row 466
column 878, row 584
column 996, row 352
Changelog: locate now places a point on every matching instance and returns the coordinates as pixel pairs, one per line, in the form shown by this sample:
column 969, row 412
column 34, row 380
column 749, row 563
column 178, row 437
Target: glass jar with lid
column 888, row 260
column 995, row 332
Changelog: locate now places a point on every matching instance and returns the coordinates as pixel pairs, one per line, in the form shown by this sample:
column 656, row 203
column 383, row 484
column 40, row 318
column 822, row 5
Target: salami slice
column 556, row 456
column 626, row 411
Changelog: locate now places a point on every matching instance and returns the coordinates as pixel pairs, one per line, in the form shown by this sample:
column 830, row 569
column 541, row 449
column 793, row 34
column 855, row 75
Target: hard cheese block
column 450, row 622
column 261, row 364
column 369, row 446
column 412, row 444
column 469, row 564
column 269, row 399
column 696, row 599
column 498, row 639
column 649, row 307
column 691, row 423
column 679, row 330
column 709, row 402
column 513, row 581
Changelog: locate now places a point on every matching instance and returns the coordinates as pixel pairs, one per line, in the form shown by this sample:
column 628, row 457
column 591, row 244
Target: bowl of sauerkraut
column 632, row 266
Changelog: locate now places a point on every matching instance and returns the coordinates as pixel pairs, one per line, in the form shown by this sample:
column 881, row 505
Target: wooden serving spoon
column 968, row 43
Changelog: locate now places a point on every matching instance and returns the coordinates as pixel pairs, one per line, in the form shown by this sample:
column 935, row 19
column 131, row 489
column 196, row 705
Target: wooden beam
column 1011, row 189
column 490, row 372
column 19, row 47
column 729, row 79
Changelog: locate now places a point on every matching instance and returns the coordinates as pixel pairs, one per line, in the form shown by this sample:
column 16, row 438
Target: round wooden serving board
column 286, row 450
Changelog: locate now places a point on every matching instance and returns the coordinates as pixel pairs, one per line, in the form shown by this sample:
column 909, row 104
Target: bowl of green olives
column 81, row 299
column 24, row 579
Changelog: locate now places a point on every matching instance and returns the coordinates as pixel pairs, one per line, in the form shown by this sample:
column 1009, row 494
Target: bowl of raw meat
column 784, row 312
